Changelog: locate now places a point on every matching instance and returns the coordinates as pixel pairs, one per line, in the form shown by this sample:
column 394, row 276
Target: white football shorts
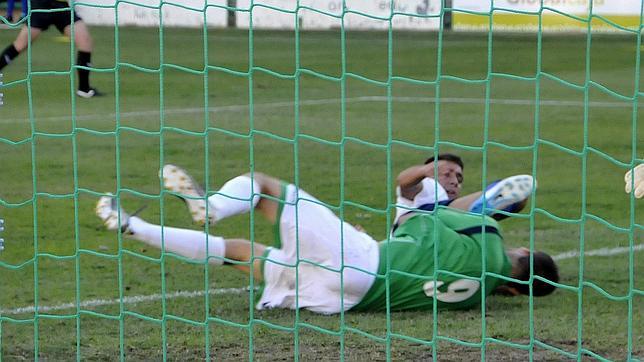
column 324, row 265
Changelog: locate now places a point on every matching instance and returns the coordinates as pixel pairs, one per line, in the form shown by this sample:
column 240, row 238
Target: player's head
column 447, row 157
column 450, row 177
column 544, row 266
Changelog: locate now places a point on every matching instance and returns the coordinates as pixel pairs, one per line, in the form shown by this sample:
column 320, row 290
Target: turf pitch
column 346, row 123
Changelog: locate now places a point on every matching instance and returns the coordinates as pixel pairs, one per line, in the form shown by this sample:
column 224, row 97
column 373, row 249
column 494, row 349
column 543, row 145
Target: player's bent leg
column 177, row 180
column 82, row 37
column 10, row 6
column 21, row 43
column 272, row 187
column 237, row 196
column 244, row 251
column 24, row 8
column 22, row 40
column 84, row 46
column 509, row 195
column 242, row 193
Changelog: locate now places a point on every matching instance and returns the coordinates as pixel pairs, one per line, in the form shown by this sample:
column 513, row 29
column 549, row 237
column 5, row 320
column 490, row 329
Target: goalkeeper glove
column 635, row 181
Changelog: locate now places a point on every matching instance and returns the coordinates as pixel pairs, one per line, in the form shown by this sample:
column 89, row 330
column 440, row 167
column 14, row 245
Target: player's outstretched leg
column 509, row 195
column 191, row 244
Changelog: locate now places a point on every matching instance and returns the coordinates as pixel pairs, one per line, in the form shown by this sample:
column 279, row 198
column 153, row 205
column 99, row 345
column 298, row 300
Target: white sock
column 191, row 244
column 234, row 197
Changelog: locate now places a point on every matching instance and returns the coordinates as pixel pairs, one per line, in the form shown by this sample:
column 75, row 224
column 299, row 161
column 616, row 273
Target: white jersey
column 324, row 264
column 431, row 193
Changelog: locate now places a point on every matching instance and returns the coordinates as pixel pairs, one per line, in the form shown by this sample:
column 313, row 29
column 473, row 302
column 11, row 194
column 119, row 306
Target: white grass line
column 313, row 102
column 219, row 291
column 599, row 252
column 126, row 300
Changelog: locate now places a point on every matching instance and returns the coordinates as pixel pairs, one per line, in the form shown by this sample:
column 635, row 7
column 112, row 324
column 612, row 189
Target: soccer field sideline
column 219, row 291
column 310, row 102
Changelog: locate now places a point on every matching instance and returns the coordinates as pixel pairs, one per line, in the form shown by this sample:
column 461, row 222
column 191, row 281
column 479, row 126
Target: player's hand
column 436, row 166
column 635, row 181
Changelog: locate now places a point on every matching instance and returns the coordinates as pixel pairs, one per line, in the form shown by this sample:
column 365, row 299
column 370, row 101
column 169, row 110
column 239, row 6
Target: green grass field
column 342, row 124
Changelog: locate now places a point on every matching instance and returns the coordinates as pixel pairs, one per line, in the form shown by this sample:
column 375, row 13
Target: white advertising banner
column 327, row 14
column 362, row 14
column 179, row 13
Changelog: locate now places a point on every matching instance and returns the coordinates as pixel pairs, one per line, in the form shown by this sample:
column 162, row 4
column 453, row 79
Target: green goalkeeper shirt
column 458, row 239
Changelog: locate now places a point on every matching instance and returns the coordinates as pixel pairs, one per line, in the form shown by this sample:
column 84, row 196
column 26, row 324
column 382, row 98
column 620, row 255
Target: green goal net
column 336, row 97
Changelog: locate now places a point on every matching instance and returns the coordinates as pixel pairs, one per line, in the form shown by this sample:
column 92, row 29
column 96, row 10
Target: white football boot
column 177, row 180
column 108, row 212
column 505, row 195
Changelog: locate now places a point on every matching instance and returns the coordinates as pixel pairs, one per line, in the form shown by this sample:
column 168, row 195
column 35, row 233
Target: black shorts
column 60, row 19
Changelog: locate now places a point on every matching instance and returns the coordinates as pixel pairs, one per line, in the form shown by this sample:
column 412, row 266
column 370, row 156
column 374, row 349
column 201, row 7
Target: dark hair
column 447, row 157
column 545, row 267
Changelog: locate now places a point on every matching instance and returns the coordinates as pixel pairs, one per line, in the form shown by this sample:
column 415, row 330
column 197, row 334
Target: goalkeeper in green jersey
column 321, row 263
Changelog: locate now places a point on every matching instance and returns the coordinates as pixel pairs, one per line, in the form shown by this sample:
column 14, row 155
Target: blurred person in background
column 63, row 21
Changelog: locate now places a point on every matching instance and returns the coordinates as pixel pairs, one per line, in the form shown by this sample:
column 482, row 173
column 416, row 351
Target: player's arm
column 409, row 180
column 635, row 181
